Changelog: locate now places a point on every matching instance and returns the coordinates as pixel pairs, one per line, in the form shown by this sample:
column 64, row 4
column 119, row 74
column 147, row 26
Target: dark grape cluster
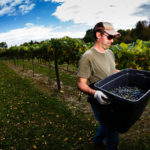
column 127, row 92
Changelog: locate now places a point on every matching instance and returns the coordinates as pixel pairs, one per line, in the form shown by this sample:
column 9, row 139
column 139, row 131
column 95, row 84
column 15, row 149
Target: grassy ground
column 31, row 119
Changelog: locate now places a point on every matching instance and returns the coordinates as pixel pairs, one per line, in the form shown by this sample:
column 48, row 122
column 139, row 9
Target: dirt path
column 46, row 85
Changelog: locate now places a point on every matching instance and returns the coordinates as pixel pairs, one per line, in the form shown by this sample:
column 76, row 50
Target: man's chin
column 107, row 47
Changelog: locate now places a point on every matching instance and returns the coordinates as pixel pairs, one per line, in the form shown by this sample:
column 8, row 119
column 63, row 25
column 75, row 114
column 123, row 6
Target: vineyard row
column 68, row 51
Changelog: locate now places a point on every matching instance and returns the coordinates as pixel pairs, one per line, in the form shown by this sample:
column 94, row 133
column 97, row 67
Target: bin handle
column 141, row 74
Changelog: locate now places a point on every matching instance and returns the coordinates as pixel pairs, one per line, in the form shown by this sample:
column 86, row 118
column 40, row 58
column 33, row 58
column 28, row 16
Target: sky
column 37, row 20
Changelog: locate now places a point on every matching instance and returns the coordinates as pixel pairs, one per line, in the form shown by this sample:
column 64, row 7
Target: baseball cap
column 107, row 27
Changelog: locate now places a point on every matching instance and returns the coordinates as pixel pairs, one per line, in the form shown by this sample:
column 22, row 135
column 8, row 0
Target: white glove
column 101, row 98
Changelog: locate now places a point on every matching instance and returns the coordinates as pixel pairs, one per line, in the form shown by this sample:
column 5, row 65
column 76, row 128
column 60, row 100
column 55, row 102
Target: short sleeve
column 84, row 69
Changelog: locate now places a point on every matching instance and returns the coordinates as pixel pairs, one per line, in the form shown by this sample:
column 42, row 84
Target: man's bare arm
column 83, row 86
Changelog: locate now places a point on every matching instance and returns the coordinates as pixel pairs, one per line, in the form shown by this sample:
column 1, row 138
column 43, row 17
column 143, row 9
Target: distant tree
column 3, row 45
column 89, row 36
column 140, row 27
column 146, row 34
column 31, row 42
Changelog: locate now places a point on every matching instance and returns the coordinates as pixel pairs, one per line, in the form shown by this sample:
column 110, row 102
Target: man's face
column 106, row 40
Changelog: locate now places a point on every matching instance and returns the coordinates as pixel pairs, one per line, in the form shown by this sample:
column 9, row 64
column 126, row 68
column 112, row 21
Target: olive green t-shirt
column 95, row 65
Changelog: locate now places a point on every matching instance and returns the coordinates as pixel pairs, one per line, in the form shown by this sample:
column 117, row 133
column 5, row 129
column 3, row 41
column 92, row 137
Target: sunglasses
column 109, row 37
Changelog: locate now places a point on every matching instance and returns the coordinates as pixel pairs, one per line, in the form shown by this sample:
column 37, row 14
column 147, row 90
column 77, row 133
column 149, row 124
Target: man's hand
column 101, row 98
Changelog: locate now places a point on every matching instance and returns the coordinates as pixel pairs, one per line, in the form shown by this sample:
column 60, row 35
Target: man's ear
column 98, row 35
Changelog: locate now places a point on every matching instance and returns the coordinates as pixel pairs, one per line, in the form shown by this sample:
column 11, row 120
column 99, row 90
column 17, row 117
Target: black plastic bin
column 122, row 113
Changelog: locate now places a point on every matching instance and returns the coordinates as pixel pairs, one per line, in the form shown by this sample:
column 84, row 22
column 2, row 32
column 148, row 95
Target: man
column 96, row 64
